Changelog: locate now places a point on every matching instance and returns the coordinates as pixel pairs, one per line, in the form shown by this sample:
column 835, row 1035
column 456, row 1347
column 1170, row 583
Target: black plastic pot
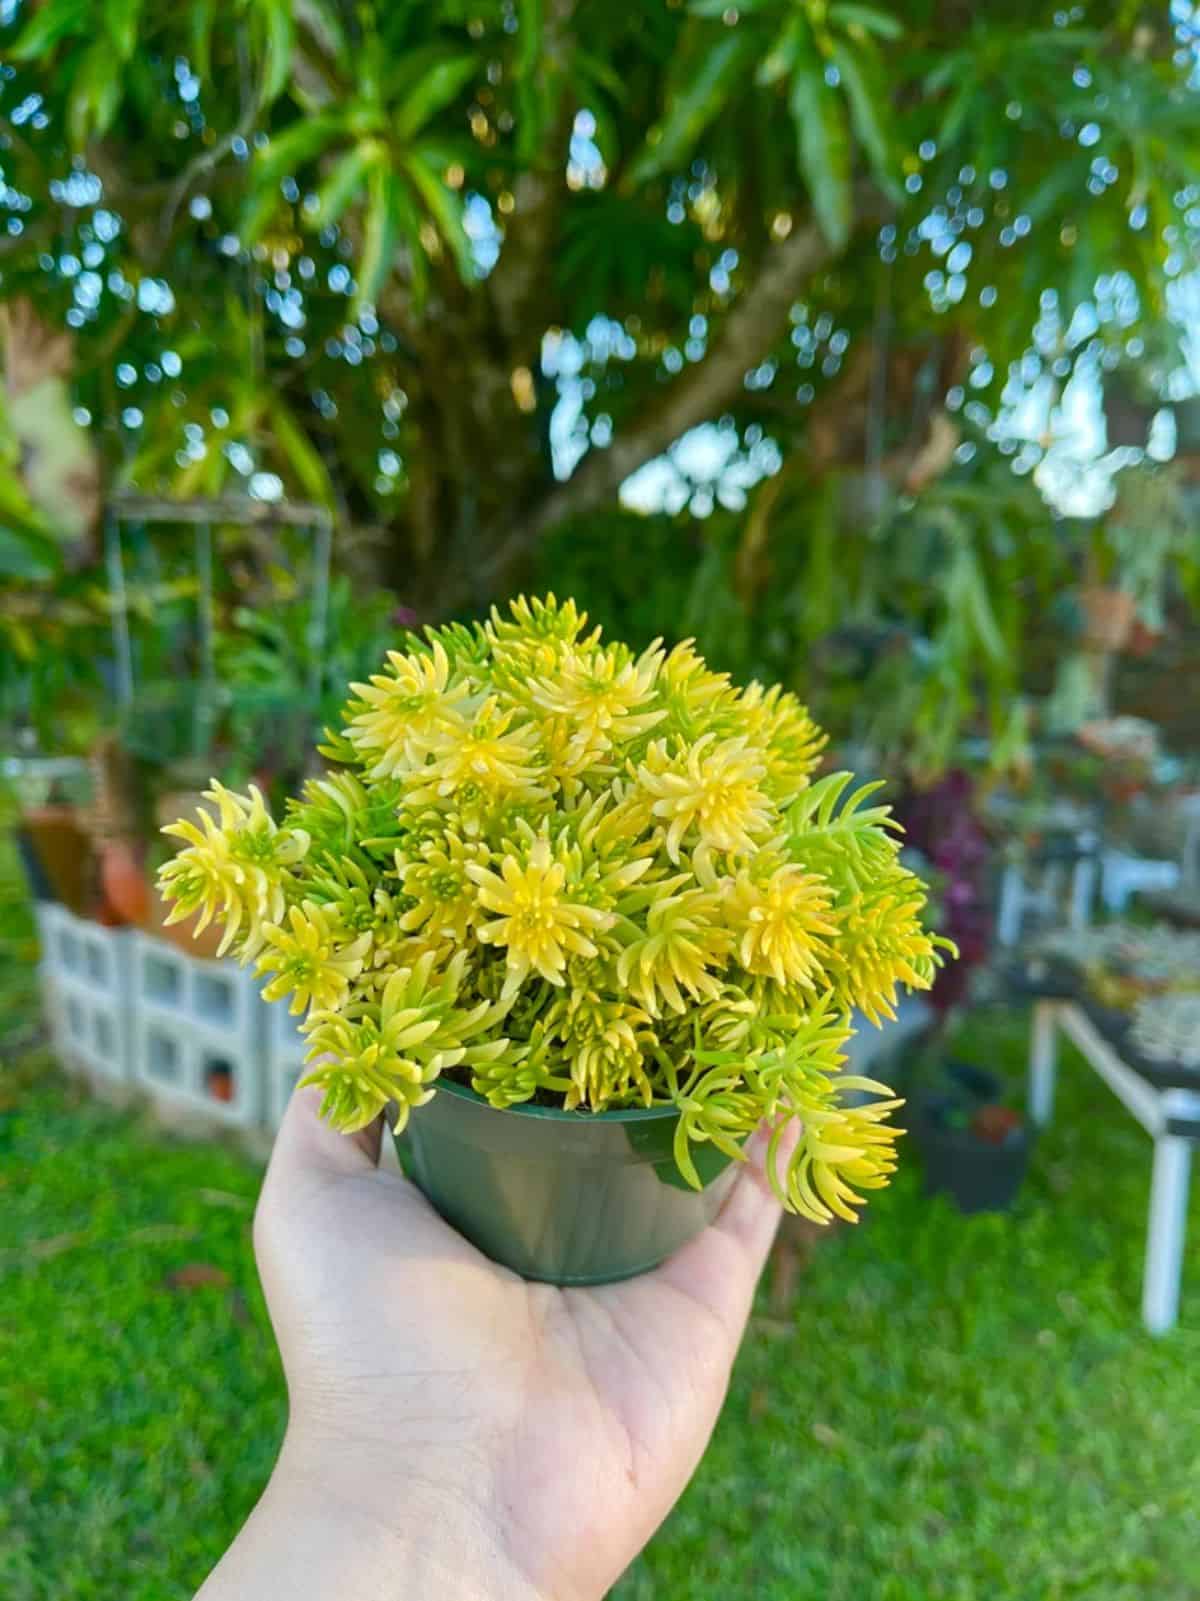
column 978, row 1175
column 562, row 1197
column 974, row 1084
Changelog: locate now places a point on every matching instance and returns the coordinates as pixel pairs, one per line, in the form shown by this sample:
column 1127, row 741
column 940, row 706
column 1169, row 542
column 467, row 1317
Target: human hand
column 455, row 1431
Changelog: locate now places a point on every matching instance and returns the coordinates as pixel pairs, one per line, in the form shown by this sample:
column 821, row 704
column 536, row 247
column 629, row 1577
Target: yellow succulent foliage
column 708, row 793
column 537, row 922
column 781, row 923
column 312, row 958
column 234, row 869
column 403, row 714
column 563, row 871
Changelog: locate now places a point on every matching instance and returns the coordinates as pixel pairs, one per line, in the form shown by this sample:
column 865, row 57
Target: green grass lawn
column 949, row 1408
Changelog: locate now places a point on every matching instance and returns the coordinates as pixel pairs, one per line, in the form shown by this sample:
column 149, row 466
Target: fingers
column 305, row 1149
column 721, row 1267
column 751, row 1212
column 305, row 1143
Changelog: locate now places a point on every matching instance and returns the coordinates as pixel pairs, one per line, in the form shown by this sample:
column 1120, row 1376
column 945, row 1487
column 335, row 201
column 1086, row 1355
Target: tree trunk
column 477, row 468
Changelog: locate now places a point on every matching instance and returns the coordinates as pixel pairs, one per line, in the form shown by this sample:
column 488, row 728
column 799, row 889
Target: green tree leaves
column 94, row 70
column 395, row 168
column 861, row 73
column 49, row 25
column 444, row 204
column 698, row 91
column 382, row 232
column 823, row 61
column 345, row 181
column 656, row 178
column 866, row 20
column 823, row 143
column 431, row 81
column 279, row 40
column 614, row 251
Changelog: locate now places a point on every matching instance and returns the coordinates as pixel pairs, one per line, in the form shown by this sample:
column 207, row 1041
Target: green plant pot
column 562, row 1197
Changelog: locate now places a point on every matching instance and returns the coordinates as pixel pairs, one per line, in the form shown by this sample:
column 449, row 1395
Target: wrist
column 428, row 1535
column 336, row 1522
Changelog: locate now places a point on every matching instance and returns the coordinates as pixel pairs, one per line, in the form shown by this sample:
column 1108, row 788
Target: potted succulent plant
column 580, row 919
column 1166, row 1028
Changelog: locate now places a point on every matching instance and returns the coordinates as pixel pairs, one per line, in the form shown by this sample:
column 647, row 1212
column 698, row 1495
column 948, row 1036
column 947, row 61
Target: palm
column 586, row 1411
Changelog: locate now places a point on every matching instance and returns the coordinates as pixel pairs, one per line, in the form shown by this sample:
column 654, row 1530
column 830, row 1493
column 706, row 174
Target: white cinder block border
column 199, row 1033
column 194, row 1035
column 86, row 982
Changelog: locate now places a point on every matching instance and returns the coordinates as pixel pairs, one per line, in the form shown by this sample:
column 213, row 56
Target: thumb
column 721, row 1266
column 305, row 1142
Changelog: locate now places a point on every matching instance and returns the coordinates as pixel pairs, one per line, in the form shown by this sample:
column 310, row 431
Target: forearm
column 320, row 1536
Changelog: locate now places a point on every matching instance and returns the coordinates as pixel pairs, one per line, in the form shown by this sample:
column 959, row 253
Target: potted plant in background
column 52, row 703
column 581, row 920
column 50, row 835
column 975, row 1145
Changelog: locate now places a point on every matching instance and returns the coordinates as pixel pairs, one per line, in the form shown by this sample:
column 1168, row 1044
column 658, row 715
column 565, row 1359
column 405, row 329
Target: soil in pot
column 561, row 1197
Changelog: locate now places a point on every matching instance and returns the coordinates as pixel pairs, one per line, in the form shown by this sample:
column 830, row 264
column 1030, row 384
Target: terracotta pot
column 62, row 850
column 1108, row 616
column 123, row 880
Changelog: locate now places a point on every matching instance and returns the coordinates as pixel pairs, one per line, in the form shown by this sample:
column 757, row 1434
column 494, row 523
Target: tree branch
column 703, row 392
column 519, row 284
column 208, row 160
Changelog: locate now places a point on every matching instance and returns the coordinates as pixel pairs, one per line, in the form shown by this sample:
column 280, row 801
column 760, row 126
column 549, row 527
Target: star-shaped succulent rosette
column 564, row 873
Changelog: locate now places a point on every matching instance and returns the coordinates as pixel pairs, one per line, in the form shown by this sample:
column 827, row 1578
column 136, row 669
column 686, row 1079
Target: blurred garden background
column 860, row 343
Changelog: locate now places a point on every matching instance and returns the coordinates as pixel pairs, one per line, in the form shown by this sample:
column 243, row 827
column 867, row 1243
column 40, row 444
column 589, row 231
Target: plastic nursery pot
column 977, row 1175
column 971, row 1082
column 562, row 1197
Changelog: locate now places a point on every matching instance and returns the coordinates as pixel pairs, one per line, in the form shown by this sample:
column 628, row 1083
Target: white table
column 1170, row 1114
